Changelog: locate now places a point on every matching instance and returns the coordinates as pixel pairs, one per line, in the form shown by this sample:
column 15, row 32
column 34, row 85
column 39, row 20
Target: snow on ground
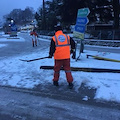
column 21, row 74
column 2, row 45
column 15, row 39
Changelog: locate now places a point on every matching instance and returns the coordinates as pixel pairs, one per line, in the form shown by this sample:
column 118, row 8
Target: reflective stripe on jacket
column 62, row 45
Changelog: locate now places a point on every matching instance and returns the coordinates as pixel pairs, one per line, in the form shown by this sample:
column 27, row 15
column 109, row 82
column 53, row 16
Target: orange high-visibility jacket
column 33, row 33
column 62, row 44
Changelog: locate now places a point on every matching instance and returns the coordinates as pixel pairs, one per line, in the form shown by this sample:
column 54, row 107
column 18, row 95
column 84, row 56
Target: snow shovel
column 34, row 59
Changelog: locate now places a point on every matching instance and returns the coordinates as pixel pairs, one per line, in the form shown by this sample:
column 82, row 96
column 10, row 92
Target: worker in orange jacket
column 60, row 46
column 34, row 38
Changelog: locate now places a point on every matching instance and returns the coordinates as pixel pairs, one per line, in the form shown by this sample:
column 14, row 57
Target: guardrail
column 108, row 43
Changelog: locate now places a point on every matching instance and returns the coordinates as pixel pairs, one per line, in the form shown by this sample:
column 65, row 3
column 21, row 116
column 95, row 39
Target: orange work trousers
column 65, row 63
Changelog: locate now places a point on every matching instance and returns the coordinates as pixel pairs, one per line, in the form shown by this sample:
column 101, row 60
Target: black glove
column 50, row 56
column 73, row 56
column 72, row 50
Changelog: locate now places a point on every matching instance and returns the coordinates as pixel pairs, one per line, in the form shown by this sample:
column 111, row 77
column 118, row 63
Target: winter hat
column 58, row 27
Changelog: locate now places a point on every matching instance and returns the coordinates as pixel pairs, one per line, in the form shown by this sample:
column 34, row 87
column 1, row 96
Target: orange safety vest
column 62, row 43
column 33, row 33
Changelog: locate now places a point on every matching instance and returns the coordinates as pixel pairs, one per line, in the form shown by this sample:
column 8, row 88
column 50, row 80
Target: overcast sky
column 6, row 6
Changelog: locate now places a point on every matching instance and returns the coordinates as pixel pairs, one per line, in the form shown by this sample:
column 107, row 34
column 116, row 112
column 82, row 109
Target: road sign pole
column 80, row 27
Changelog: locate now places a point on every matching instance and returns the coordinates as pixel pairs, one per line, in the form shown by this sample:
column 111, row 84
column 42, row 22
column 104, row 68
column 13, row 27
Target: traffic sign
column 82, row 20
column 83, row 12
column 13, row 28
column 80, row 28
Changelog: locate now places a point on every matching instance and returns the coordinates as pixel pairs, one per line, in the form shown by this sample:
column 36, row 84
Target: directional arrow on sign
column 80, row 28
column 83, row 12
column 82, row 20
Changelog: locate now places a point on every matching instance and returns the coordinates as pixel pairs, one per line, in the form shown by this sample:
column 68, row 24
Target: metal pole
column 43, row 17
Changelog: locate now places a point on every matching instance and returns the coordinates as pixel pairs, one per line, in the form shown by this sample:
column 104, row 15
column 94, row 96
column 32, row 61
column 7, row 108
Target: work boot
column 70, row 85
column 55, row 83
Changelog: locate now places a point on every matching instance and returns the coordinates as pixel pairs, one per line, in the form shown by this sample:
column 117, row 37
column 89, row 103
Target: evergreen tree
column 21, row 16
column 65, row 12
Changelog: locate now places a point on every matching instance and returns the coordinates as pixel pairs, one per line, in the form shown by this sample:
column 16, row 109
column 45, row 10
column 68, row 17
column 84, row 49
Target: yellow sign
column 78, row 35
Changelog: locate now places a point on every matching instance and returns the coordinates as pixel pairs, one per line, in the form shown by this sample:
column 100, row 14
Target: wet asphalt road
column 51, row 103
column 22, row 104
column 16, row 48
column 19, row 48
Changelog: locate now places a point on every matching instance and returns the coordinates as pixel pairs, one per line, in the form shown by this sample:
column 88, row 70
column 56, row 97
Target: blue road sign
column 80, row 28
column 82, row 20
column 13, row 27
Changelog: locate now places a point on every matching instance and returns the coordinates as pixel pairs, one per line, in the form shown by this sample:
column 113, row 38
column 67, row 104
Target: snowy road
column 38, row 106
column 44, row 101
column 16, row 47
column 22, row 47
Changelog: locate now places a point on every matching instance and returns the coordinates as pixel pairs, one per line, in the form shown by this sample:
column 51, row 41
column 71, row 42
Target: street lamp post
column 43, row 16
